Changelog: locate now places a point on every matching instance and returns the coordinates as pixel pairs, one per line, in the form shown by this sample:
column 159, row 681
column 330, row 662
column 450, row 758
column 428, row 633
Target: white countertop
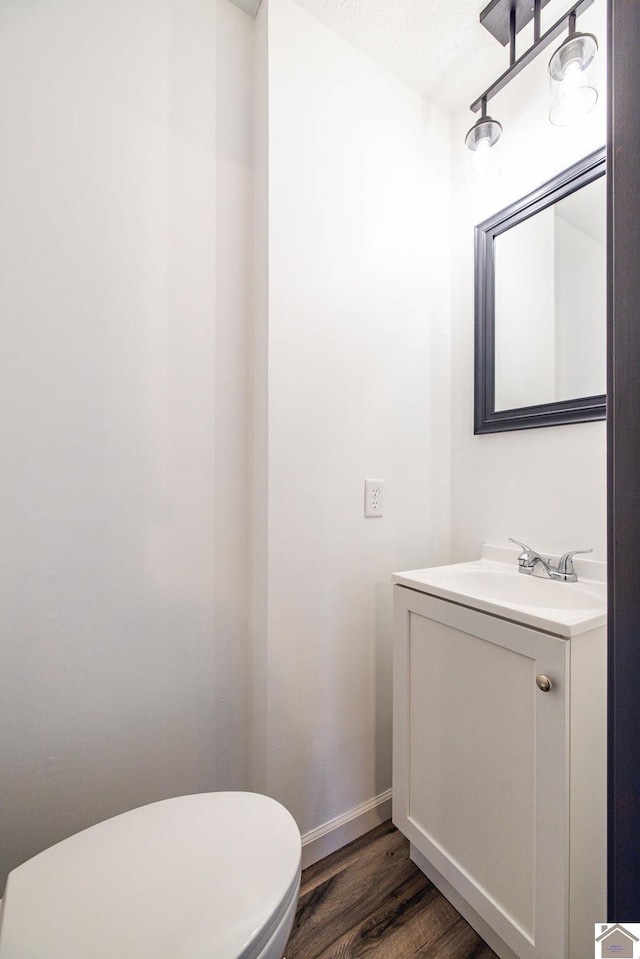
column 493, row 584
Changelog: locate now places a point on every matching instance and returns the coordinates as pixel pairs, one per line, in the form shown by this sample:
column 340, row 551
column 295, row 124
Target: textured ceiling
column 249, row 6
column 438, row 47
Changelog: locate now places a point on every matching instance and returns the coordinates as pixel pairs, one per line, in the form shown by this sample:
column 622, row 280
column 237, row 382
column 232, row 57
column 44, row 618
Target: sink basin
column 498, row 587
column 493, row 582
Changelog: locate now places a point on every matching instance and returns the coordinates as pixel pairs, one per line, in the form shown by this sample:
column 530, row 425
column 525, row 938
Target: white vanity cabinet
column 498, row 782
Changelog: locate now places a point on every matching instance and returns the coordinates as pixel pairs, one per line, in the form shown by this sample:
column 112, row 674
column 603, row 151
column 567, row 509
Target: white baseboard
column 336, row 833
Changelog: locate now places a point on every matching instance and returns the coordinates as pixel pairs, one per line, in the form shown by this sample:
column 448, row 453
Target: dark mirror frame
column 487, row 419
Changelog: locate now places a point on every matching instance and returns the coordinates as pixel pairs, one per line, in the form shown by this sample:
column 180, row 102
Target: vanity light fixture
column 569, row 68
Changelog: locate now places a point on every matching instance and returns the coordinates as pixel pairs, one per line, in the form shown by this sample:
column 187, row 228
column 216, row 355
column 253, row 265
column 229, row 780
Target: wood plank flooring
column 369, row 900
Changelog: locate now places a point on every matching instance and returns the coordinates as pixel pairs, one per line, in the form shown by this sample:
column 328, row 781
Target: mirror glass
column 550, row 303
column 541, row 305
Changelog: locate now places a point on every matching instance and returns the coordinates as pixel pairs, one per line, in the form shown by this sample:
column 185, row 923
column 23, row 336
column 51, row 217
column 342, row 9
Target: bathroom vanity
column 499, row 778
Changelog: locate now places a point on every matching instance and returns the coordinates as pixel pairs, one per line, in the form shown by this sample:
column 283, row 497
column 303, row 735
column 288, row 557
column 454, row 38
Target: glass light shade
column 482, row 160
column 484, row 134
column 573, row 89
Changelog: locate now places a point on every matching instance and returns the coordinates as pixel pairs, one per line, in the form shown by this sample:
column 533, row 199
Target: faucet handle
column 524, row 546
column 527, row 558
column 565, row 565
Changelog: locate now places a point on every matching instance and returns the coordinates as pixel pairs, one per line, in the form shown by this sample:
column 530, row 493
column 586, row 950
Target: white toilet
column 211, row 876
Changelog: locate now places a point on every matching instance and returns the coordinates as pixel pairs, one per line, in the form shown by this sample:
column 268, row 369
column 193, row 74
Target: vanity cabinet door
column 480, row 783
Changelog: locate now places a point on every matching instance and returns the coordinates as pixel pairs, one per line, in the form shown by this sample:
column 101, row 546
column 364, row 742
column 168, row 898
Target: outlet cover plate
column 373, row 498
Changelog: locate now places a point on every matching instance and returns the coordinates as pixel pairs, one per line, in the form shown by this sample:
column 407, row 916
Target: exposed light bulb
column 482, row 165
column 483, row 160
column 570, row 85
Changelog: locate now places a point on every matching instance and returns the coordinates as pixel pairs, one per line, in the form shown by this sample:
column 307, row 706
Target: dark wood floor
column 369, row 900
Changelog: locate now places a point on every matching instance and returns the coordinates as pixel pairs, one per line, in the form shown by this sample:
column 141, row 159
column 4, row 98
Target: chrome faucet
column 564, row 571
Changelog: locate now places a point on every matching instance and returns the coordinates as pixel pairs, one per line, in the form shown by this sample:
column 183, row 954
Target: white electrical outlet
column 373, row 497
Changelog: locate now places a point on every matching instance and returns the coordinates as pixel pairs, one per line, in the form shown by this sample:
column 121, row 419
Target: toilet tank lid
column 192, row 877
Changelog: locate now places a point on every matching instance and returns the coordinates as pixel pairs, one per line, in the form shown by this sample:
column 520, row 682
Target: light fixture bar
column 496, row 17
column 537, row 47
column 537, row 9
column 513, row 30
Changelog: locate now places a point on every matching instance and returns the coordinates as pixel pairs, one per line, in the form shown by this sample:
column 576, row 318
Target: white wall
column 125, row 183
column 544, row 486
column 358, row 379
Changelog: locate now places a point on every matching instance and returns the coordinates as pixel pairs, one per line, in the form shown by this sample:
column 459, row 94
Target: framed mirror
column 540, row 305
